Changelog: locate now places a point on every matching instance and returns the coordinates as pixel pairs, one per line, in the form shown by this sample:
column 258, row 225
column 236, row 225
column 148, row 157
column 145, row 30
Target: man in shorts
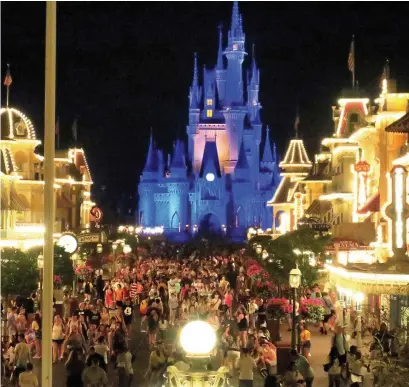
column 128, row 313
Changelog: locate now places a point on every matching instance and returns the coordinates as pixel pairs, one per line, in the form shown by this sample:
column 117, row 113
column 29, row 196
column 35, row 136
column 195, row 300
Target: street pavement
column 320, row 349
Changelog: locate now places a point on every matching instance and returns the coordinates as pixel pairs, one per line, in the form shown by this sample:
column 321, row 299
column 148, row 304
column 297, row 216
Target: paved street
column 320, row 349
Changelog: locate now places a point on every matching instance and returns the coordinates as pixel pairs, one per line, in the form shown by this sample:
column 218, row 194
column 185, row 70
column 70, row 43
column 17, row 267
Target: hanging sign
column 96, row 214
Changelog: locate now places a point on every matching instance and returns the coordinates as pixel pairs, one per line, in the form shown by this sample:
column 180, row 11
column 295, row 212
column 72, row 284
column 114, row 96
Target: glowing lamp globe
column 127, row 249
column 197, row 338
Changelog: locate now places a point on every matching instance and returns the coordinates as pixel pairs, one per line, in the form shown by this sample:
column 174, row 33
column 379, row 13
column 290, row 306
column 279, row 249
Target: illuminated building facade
column 22, row 185
column 220, row 182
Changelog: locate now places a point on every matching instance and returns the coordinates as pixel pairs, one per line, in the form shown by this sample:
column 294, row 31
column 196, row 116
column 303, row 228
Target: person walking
column 74, row 367
column 36, row 327
column 303, row 367
column 94, row 375
column 27, row 378
column 334, row 368
column 246, row 368
column 124, row 367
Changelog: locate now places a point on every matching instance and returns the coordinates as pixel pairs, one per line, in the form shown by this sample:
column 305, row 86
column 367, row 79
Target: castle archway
column 175, row 222
column 210, row 224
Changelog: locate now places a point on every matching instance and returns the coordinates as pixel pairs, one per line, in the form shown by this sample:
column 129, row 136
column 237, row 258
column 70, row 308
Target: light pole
column 74, row 257
column 40, row 265
column 49, row 194
column 113, row 264
column 295, row 281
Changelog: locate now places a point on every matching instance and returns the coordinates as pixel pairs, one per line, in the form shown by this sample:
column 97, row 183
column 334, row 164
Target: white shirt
column 246, row 367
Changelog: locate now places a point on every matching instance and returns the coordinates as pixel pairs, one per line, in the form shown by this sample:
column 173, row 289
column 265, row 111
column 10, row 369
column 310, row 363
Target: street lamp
column 259, row 249
column 295, row 281
column 40, row 265
column 99, row 248
column 74, row 258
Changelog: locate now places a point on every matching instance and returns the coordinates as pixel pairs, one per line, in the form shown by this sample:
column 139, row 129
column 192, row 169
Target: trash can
column 283, row 357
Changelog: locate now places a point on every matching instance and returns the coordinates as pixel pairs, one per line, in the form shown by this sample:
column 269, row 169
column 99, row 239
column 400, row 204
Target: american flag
column 57, row 127
column 8, row 80
column 351, row 57
column 385, row 73
column 297, row 122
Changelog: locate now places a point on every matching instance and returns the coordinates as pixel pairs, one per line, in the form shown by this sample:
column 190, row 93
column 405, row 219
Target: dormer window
column 209, row 113
column 209, row 102
column 235, row 47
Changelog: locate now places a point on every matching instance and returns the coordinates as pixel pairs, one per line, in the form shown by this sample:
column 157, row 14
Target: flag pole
column 353, row 65
column 8, row 87
column 49, row 195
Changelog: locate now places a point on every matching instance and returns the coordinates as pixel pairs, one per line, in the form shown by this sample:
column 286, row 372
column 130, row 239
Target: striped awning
column 17, row 202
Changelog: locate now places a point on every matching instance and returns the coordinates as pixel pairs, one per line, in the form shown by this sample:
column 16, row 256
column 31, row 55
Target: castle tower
column 178, row 188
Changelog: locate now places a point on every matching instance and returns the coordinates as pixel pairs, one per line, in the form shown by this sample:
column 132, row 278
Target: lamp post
column 295, row 281
column 74, row 258
column 40, row 265
column 113, row 264
column 259, row 250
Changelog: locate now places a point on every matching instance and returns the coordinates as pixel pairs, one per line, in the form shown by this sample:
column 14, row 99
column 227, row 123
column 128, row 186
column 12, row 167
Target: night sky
column 123, row 68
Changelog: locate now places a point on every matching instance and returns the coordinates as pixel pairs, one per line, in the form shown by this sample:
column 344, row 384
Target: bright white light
column 127, row 249
column 198, row 338
column 210, row 177
column 284, row 223
column 68, row 242
column 359, row 297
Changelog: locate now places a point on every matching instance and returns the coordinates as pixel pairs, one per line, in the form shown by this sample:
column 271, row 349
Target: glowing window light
column 284, row 226
column 209, row 113
column 209, row 102
column 198, row 338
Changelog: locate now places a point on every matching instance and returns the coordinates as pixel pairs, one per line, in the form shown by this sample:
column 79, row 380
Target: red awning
column 372, row 205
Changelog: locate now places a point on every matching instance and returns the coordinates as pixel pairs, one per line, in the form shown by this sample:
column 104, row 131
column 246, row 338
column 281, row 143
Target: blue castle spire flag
column 221, row 181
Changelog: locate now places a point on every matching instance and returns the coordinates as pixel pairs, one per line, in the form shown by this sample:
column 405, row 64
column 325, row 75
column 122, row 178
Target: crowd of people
column 164, row 294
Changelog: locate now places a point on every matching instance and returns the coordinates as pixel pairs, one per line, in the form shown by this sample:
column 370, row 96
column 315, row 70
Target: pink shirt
column 228, row 300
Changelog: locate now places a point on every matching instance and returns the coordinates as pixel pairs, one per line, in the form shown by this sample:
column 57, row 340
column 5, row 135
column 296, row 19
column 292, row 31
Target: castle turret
column 146, row 187
column 242, row 170
column 267, row 162
column 253, row 88
column 178, row 187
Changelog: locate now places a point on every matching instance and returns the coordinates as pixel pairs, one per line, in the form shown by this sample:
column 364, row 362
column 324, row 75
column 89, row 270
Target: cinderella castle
column 220, row 182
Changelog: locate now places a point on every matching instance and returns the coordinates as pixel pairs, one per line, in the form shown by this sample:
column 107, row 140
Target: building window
column 209, row 102
column 209, row 113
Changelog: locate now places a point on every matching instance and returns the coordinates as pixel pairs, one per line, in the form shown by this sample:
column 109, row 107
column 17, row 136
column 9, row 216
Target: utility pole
column 49, row 196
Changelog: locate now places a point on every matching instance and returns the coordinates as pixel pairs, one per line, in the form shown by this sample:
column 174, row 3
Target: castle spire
column 219, row 65
column 236, row 29
column 267, row 155
column 152, row 159
column 195, row 72
column 242, row 162
column 274, row 153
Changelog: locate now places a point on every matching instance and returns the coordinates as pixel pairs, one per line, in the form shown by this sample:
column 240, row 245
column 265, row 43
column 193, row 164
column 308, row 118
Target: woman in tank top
column 58, row 336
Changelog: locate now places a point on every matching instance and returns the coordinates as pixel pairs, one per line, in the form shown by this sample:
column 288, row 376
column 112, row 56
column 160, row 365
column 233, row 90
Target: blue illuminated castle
column 220, row 183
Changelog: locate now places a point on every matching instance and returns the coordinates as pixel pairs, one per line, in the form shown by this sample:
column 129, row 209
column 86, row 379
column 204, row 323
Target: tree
column 62, row 263
column 299, row 247
column 19, row 273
